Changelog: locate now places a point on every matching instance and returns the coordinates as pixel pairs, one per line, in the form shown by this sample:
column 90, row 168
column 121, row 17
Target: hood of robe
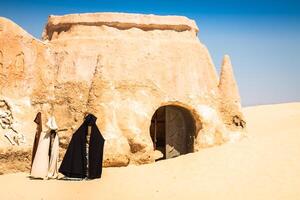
column 90, row 119
column 51, row 124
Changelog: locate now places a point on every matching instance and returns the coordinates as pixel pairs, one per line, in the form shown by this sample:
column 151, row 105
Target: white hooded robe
column 44, row 166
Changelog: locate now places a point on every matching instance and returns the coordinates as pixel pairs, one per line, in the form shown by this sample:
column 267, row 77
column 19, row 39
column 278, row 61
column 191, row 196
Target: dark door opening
column 172, row 131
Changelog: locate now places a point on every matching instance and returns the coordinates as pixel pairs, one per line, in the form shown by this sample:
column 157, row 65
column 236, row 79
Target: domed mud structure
column 148, row 79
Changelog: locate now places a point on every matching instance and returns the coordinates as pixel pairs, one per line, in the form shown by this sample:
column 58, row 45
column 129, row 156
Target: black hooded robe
column 74, row 164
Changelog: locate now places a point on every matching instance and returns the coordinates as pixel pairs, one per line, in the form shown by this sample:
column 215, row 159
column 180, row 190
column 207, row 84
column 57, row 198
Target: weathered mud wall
column 122, row 68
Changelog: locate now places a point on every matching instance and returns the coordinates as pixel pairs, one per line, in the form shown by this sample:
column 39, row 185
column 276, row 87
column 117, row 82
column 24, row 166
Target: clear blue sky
column 262, row 37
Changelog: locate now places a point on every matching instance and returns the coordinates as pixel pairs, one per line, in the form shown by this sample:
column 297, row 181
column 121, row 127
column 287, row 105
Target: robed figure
column 83, row 158
column 45, row 152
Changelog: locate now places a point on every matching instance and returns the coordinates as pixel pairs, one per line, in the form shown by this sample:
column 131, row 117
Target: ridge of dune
column 265, row 165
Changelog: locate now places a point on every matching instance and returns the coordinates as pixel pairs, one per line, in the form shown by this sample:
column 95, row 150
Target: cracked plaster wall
column 122, row 75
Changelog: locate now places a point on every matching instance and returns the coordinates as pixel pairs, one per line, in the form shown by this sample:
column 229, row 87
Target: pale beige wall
column 121, row 74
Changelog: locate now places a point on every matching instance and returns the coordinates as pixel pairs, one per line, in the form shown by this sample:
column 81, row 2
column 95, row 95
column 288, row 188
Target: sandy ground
column 265, row 165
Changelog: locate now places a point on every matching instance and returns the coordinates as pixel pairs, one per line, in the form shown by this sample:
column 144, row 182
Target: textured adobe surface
column 122, row 68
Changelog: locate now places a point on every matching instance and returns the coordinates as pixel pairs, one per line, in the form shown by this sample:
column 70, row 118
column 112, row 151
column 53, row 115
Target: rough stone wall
column 121, row 68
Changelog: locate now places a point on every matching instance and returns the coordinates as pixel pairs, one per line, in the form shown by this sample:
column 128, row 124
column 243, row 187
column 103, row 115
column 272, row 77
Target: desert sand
column 264, row 165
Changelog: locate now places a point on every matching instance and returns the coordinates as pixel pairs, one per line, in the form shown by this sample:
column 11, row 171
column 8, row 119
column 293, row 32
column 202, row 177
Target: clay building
column 148, row 79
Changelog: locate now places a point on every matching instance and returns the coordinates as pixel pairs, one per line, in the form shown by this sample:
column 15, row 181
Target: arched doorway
column 172, row 131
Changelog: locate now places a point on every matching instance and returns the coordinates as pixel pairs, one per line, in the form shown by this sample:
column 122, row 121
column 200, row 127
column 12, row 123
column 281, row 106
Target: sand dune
column 265, row 165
